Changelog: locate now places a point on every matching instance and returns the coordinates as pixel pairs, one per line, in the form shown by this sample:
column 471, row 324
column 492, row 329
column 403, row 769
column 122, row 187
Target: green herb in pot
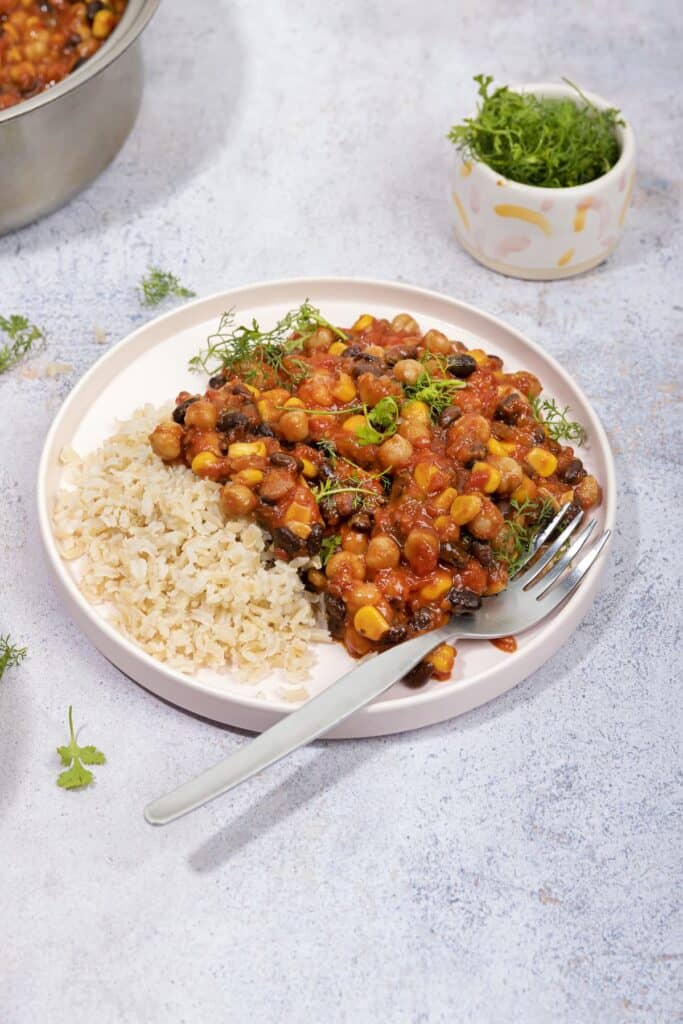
column 535, row 140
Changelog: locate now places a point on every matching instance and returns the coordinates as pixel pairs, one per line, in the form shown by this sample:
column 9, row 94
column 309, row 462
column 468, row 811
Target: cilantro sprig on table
column 157, row 285
column 22, row 337
column 74, row 758
column 11, row 656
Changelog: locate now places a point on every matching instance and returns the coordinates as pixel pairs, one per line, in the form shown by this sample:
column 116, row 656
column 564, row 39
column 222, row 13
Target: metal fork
column 541, row 584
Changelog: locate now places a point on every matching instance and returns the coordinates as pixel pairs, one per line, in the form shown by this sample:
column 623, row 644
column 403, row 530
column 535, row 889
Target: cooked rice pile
column 190, row 588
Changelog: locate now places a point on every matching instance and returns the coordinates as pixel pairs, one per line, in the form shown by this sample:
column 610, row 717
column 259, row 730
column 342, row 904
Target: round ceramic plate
column 151, row 366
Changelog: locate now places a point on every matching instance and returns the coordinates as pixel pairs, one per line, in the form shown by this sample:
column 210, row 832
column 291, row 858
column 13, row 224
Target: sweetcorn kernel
column 492, row 476
column 370, row 622
column 478, row 355
column 363, row 322
column 203, row 460
column 249, row 477
column 442, row 659
column 353, row 424
column 294, row 403
column 243, row 449
column 337, row 348
column 415, row 410
column 500, row 448
column 542, row 462
column 438, row 587
column 345, row 389
column 465, row 508
column 266, row 409
column 424, row 475
column 299, row 529
column 310, row 470
column 446, row 498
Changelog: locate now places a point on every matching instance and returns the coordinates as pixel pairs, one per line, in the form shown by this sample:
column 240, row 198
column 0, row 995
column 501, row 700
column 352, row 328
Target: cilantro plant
column 552, row 143
column 10, row 655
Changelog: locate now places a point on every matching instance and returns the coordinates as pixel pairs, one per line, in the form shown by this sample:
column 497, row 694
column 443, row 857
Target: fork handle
column 353, row 691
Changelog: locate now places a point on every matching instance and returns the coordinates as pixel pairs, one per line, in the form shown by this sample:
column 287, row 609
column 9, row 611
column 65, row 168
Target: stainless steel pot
column 54, row 144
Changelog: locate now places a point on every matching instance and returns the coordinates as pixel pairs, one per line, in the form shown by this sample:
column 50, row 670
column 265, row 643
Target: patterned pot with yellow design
column 542, row 233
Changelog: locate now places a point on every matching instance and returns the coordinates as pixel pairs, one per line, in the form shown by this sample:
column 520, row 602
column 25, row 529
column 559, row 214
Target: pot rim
column 556, row 90
column 123, row 36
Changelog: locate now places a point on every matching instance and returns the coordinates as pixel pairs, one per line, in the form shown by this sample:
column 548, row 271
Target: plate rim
column 421, row 700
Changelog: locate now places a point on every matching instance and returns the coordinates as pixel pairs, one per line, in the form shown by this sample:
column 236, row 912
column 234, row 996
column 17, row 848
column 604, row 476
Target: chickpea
column 467, row 437
column 316, row 392
column 201, row 414
column 395, row 453
column 354, row 541
column 407, row 371
column 237, row 500
column 526, row 383
column 360, row 594
column 356, row 644
column 404, row 323
column 587, row 492
column 511, row 475
column 166, row 441
column 422, row 550
column 382, row 553
column 320, row 340
column 346, row 563
column 414, row 431
column 373, row 389
column 488, row 523
column 435, row 341
column 293, row 425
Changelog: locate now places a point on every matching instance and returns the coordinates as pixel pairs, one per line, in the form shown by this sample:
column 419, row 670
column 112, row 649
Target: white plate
column 151, row 366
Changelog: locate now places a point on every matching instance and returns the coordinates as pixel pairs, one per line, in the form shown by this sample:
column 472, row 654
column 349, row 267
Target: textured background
column 517, row 864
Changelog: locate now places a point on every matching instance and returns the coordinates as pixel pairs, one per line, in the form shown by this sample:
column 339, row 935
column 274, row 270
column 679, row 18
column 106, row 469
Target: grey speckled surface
column 518, row 864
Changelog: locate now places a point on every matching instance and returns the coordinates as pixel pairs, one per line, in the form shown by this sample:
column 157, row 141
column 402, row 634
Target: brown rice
column 153, row 548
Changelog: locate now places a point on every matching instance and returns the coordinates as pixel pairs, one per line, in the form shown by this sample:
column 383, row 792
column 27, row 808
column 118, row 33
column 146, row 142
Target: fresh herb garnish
column 436, row 392
column 22, row 337
column 557, row 424
column 380, row 422
column 158, row 284
column 329, row 488
column 520, row 532
column 552, row 143
column 72, row 755
column 10, row 655
column 329, row 547
column 247, row 349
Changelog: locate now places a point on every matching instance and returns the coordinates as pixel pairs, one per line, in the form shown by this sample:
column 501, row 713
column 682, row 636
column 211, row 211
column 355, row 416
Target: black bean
column 461, row 365
column 218, row 381
column 262, row 430
column 368, row 364
column 450, row 415
column 394, row 354
column 573, row 472
column 326, row 471
column 286, row 539
column 538, row 434
column 419, row 675
column 180, row 410
column 335, row 613
column 353, row 351
column 476, row 453
column 510, row 409
column 72, row 40
column 361, row 522
column 240, row 389
column 394, row 635
column 451, row 554
column 229, row 419
column 421, row 620
column 314, row 539
column 462, row 600
column 92, row 9
column 285, row 461
column 483, row 553
column 505, row 507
